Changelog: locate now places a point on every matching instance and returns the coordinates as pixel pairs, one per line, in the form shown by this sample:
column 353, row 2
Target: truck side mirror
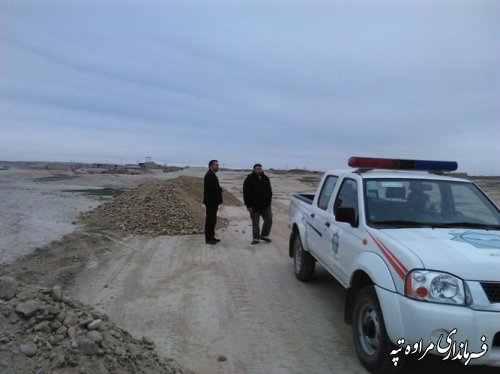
column 347, row 215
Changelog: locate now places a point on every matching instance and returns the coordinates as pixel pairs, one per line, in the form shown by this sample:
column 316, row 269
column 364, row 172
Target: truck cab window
column 347, row 196
column 326, row 191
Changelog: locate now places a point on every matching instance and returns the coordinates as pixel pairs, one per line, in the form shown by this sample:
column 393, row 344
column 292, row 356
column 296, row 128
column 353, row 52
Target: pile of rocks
column 192, row 189
column 172, row 207
column 42, row 331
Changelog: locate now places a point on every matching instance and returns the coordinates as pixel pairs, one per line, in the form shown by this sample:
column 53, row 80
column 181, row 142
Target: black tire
column 303, row 261
column 372, row 344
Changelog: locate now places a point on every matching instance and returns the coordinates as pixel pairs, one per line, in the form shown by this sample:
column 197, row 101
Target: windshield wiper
column 473, row 225
column 401, row 223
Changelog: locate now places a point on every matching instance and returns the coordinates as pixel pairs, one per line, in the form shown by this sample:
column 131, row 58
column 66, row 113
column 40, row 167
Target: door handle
column 312, row 215
column 327, row 224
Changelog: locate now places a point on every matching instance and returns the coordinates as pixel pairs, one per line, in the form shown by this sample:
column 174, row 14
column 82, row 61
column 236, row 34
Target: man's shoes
column 211, row 241
column 217, row 240
column 266, row 239
column 255, row 241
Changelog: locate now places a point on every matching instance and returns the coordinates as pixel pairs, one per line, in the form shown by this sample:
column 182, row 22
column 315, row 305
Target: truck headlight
column 435, row 287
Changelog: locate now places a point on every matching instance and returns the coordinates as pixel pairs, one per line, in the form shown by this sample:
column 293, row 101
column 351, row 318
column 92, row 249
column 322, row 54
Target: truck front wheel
column 372, row 344
column 303, row 261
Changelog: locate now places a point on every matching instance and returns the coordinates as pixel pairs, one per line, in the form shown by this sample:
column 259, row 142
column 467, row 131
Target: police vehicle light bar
column 389, row 163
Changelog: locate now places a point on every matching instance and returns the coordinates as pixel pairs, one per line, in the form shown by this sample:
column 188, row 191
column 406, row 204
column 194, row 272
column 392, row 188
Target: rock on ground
column 42, row 332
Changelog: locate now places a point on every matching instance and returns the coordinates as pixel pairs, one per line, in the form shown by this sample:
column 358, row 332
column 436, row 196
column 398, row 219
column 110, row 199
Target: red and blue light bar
column 399, row 164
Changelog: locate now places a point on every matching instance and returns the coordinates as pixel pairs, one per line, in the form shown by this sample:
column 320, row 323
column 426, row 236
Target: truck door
column 341, row 241
column 316, row 221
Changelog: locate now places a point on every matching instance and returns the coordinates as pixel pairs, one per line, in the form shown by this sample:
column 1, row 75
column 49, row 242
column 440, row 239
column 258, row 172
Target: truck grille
column 492, row 290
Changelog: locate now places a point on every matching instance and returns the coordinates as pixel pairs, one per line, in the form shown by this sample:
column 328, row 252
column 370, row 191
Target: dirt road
column 241, row 301
column 229, row 308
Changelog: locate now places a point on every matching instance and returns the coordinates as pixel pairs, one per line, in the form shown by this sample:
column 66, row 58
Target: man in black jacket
column 212, row 197
column 257, row 194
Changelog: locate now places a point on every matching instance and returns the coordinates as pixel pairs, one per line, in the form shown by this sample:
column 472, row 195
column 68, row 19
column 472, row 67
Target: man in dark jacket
column 212, row 197
column 257, row 194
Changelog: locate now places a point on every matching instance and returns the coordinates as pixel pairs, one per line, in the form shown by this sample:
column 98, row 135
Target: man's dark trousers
column 210, row 221
column 267, row 216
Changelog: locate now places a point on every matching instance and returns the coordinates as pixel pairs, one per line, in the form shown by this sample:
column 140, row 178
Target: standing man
column 257, row 194
column 212, row 197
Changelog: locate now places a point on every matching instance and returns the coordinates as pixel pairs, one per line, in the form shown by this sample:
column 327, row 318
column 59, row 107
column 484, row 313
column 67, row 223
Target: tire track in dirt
column 284, row 320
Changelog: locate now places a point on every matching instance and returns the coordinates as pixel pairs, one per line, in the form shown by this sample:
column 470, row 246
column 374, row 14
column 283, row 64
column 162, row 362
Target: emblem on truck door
column 335, row 243
column 477, row 239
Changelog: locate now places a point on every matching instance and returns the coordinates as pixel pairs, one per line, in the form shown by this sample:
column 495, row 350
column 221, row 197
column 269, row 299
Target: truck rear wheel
column 372, row 344
column 303, row 261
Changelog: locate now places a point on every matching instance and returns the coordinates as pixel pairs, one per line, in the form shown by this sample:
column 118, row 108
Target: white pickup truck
column 418, row 253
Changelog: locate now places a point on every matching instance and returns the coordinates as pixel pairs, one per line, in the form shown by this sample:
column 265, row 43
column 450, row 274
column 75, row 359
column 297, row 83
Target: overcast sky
column 285, row 83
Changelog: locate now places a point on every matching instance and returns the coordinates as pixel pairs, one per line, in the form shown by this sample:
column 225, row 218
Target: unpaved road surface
column 229, row 308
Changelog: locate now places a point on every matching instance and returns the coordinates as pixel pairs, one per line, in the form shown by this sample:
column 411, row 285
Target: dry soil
column 229, row 308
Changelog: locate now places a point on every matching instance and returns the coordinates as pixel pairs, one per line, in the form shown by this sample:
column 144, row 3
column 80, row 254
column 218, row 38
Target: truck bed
column 307, row 198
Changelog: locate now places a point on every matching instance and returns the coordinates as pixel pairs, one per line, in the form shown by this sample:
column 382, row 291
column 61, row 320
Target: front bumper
column 418, row 321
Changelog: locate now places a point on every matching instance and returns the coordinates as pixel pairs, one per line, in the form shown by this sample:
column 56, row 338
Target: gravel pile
column 42, row 331
column 172, row 207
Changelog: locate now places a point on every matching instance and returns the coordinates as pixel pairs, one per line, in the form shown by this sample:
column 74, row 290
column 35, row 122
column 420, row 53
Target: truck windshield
column 399, row 203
